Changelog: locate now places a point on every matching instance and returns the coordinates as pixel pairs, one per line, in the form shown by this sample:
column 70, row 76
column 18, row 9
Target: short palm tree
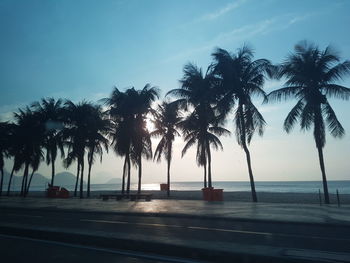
column 121, row 116
column 30, row 136
column 51, row 114
column 241, row 79
column 5, row 131
column 98, row 129
column 78, row 118
column 141, row 139
column 311, row 76
column 198, row 91
column 166, row 119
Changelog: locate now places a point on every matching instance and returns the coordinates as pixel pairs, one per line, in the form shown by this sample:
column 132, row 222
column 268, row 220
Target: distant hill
column 113, row 181
column 63, row 178
column 38, row 179
column 66, row 178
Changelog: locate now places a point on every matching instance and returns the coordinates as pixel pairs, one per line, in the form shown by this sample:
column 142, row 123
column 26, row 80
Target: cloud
column 245, row 32
column 220, row 12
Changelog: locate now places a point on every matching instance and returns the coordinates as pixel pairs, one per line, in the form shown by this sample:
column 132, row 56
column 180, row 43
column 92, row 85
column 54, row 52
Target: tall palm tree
column 311, row 75
column 241, row 79
column 51, row 114
column 98, row 130
column 165, row 121
column 198, row 91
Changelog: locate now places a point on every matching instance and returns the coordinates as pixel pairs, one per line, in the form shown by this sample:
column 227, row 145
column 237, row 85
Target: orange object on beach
column 57, row 192
column 163, row 187
column 211, row 194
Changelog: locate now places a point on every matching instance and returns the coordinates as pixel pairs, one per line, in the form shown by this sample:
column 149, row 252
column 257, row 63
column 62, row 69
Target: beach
column 239, row 196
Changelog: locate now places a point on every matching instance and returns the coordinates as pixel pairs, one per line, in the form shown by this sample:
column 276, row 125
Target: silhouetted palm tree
column 5, row 132
column 51, row 114
column 166, row 119
column 14, row 151
column 203, row 131
column 310, row 75
column 141, row 139
column 121, row 116
column 78, row 118
column 241, row 78
column 128, row 111
column 30, row 134
column 98, row 130
column 34, row 164
column 199, row 92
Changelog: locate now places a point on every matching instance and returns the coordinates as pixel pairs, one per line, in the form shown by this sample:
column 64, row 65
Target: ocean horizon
column 343, row 186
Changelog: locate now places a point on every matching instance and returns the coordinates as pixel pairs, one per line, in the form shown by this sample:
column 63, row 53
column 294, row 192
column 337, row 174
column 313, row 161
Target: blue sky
column 80, row 49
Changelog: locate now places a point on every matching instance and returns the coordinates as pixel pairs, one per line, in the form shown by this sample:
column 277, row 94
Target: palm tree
column 204, row 132
column 130, row 138
column 51, row 114
column 4, row 149
column 241, row 79
column 14, row 151
column 311, row 76
column 34, row 164
column 98, row 129
column 166, row 119
column 78, row 118
column 199, row 91
column 141, row 139
column 121, row 116
column 30, row 134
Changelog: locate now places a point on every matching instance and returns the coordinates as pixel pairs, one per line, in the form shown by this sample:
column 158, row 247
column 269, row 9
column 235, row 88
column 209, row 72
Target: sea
column 229, row 186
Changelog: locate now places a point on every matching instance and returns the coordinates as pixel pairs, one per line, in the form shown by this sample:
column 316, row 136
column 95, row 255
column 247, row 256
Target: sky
column 81, row 49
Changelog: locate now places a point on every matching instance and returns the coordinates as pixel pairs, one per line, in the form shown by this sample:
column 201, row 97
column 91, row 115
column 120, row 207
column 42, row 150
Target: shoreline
column 239, row 196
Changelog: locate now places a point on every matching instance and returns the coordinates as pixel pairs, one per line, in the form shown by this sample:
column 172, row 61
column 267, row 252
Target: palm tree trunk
column 251, row 177
column 209, row 166
column 10, row 181
column 30, row 180
column 140, row 173
column 205, row 175
column 128, row 183
column 324, row 178
column 123, row 177
column 77, row 179
column 246, row 150
column 24, row 179
column 52, row 169
column 89, row 173
column 168, row 190
column 2, row 180
column 82, row 178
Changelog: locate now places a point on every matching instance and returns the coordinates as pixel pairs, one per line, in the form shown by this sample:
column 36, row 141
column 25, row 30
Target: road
column 331, row 240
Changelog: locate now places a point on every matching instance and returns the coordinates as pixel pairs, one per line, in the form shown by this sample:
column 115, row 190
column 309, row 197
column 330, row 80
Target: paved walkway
column 331, row 214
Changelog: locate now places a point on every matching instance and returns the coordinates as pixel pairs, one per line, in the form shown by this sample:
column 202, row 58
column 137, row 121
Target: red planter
column 163, row 187
column 211, row 194
column 207, row 193
column 57, row 192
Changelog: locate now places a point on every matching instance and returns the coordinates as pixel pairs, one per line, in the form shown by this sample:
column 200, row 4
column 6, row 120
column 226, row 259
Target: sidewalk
column 291, row 213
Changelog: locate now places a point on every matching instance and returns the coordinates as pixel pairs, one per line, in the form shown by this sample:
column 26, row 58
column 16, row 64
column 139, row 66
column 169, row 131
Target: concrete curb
column 334, row 223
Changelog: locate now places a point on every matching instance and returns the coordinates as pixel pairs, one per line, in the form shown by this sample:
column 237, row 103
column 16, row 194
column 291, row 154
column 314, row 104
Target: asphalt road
column 335, row 239
column 19, row 249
